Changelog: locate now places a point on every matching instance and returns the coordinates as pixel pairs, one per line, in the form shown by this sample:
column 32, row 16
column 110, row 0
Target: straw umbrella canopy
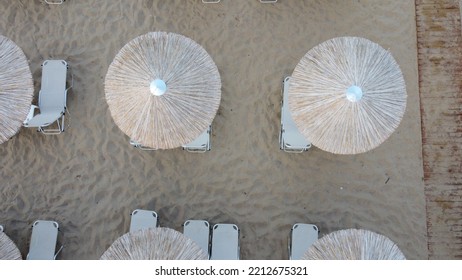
column 163, row 90
column 154, row 244
column 8, row 250
column 16, row 88
column 354, row 244
column 347, row 95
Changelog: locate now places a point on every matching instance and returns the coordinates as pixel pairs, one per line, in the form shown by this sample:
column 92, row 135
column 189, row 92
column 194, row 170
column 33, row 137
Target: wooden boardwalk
column 439, row 45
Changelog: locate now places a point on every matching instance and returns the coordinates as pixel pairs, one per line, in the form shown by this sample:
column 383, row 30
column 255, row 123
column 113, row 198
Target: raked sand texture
column 89, row 178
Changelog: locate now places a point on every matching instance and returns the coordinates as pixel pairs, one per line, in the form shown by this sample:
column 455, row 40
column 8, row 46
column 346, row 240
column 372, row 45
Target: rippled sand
column 89, row 179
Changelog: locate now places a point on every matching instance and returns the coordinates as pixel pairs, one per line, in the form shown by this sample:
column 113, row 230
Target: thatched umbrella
column 347, row 95
column 154, row 244
column 16, row 88
column 163, row 90
column 354, row 244
column 8, row 250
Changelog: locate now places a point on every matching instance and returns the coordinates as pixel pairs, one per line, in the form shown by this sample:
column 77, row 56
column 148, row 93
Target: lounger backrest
column 143, row 219
column 289, row 123
column 303, row 236
column 53, row 89
column 199, row 232
column 225, row 242
column 43, row 240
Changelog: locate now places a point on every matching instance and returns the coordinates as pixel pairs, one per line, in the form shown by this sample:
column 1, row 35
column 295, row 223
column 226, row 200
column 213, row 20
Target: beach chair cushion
column 43, row 240
column 199, row 232
column 143, row 219
column 225, row 242
column 302, row 237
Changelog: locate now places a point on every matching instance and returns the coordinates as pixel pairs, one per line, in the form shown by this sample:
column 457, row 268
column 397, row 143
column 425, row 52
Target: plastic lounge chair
column 302, row 236
column 201, row 144
column 268, row 1
column 1, row 228
column 210, row 1
column 43, row 241
column 290, row 139
column 143, row 219
column 52, row 98
column 225, row 242
column 199, row 232
column 138, row 145
column 54, row 2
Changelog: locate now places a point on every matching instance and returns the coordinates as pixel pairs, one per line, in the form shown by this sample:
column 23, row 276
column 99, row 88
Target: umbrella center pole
column 157, row 87
column 354, row 93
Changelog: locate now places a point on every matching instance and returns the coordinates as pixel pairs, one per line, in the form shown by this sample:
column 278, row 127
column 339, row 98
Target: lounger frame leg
column 54, row 131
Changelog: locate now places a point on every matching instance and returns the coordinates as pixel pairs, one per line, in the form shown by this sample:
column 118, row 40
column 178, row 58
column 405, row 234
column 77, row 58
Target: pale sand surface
column 89, row 179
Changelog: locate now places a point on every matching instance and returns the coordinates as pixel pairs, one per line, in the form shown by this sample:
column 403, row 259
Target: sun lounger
column 1, row 228
column 199, row 232
column 138, row 145
column 52, row 98
column 210, row 1
column 268, row 1
column 143, row 219
column 54, row 2
column 43, row 241
column 302, row 236
column 290, row 139
column 201, row 144
column 225, row 242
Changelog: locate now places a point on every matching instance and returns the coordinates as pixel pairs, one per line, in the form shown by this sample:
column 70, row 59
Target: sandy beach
column 89, row 178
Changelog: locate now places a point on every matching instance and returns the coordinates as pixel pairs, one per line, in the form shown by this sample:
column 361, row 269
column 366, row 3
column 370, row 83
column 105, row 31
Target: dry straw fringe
column 184, row 111
column 354, row 244
column 16, row 88
column 319, row 105
column 8, row 250
column 154, row 244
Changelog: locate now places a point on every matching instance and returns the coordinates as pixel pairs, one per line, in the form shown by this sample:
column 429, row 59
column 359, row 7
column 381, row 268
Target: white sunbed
column 199, row 232
column 1, row 228
column 138, row 145
column 302, row 236
column 210, row 1
column 290, row 139
column 142, row 219
column 52, row 98
column 43, row 241
column 54, row 2
column 225, row 242
column 201, row 144
column 268, row 1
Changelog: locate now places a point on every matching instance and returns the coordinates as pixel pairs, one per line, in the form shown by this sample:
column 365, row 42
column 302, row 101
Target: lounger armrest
column 72, row 81
column 30, row 115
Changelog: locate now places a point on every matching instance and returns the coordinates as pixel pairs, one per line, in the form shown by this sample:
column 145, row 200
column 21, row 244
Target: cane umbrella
column 347, row 95
column 16, row 88
column 8, row 250
column 163, row 90
column 354, row 244
column 154, row 244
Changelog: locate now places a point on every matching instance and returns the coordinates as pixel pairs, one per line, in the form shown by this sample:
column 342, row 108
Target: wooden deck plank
column 439, row 46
